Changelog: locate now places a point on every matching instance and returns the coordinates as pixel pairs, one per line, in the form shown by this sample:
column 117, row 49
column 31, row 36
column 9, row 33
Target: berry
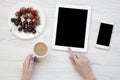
column 26, row 26
column 25, row 16
column 31, row 17
column 29, row 30
column 20, row 29
column 31, row 23
column 13, row 19
column 23, row 26
column 33, row 26
column 37, row 22
column 28, row 10
column 19, row 19
column 30, row 26
column 25, row 22
column 18, row 14
column 16, row 23
column 25, row 30
column 33, row 31
column 34, row 12
column 37, row 18
column 23, row 10
column 20, row 23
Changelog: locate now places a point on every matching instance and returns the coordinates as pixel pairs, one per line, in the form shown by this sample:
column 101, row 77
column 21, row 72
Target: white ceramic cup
column 36, row 53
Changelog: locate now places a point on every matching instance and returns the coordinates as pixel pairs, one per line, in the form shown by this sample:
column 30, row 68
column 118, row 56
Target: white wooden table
column 57, row 66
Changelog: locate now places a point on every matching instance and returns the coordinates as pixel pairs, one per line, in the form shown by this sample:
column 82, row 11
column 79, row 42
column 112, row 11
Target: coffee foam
column 40, row 49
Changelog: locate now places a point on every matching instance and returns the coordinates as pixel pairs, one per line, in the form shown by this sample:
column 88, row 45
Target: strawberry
column 23, row 10
column 18, row 14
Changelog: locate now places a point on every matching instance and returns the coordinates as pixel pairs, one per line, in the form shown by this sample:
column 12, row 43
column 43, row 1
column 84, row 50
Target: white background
column 57, row 66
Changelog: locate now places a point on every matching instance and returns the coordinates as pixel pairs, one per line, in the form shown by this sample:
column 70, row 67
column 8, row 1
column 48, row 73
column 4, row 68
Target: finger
column 36, row 59
column 73, row 55
column 31, row 62
column 72, row 60
column 70, row 52
column 79, row 55
column 75, row 59
column 26, row 62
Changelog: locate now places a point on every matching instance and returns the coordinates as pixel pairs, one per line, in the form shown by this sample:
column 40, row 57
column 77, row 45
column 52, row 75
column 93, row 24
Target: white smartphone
column 104, row 36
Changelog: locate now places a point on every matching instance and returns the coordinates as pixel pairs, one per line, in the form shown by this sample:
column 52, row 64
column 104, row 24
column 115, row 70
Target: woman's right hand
column 81, row 64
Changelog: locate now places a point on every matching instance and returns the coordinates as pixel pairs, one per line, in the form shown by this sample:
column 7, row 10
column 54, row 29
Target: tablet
column 72, row 24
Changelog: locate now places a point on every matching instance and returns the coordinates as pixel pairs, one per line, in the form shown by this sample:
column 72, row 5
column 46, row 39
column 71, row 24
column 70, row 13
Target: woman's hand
column 81, row 64
column 28, row 67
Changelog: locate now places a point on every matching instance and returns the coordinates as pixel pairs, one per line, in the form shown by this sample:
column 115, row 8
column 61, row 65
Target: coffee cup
column 41, row 49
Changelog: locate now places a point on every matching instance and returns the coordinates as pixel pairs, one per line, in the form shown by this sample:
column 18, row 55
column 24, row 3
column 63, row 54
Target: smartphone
column 104, row 35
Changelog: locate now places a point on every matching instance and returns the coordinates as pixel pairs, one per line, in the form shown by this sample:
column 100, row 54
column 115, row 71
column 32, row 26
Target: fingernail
column 33, row 58
column 70, row 58
column 69, row 48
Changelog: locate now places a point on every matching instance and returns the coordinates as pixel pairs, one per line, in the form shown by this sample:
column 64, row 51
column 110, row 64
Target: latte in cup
column 41, row 49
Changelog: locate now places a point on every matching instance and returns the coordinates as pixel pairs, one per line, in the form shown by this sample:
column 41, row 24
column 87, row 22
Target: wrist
column 24, row 78
column 90, row 77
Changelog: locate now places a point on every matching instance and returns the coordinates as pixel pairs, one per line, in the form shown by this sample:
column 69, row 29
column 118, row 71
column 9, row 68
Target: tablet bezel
column 57, row 47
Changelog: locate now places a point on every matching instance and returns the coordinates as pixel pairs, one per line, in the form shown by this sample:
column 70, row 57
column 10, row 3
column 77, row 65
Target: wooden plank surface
column 57, row 66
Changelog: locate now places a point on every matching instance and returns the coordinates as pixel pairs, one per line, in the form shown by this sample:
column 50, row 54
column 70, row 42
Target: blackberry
column 20, row 29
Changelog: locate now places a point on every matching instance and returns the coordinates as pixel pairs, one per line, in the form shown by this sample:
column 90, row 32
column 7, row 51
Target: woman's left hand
column 28, row 67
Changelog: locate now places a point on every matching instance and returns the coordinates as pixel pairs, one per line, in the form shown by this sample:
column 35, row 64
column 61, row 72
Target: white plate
column 23, row 35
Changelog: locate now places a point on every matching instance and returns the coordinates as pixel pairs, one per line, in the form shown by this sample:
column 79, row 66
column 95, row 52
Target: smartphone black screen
column 71, row 27
column 105, row 33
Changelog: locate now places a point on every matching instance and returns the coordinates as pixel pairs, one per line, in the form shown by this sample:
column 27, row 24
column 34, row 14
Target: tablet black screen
column 71, row 27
